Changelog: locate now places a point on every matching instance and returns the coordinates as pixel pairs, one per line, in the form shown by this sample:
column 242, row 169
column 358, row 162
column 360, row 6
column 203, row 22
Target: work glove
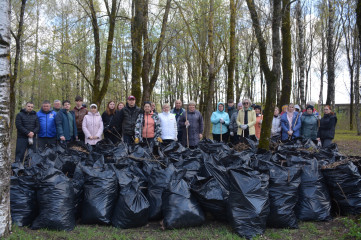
column 319, row 116
column 159, row 139
column 232, row 134
column 260, row 121
column 221, row 120
column 176, row 139
column 319, row 144
column 136, row 140
column 244, row 127
column 187, row 124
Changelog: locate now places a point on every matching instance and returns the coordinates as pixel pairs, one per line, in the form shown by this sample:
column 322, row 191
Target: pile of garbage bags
column 127, row 186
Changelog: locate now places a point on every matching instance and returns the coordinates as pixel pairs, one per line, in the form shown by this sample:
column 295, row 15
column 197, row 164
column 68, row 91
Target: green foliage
column 353, row 226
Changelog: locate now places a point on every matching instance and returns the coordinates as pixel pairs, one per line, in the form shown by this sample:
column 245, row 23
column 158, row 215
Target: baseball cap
column 131, row 97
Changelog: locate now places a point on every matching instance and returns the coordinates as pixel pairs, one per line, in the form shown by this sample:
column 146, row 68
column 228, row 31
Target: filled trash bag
column 344, row 183
column 55, row 197
column 180, row 207
column 283, row 193
column 248, row 203
column 158, row 182
column 132, row 207
column 67, row 164
column 212, row 197
column 100, row 194
column 314, row 200
column 22, row 200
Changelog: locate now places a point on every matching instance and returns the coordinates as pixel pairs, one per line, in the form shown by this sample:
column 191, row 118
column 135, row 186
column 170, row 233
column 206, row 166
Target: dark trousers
column 148, row 141
column 326, row 142
column 81, row 135
column 22, row 145
column 128, row 139
column 217, row 137
column 243, row 139
column 179, row 136
column 112, row 137
column 167, row 141
column 234, row 139
column 46, row 142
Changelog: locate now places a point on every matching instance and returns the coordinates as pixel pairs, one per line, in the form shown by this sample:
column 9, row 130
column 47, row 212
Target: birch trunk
column 330, row 57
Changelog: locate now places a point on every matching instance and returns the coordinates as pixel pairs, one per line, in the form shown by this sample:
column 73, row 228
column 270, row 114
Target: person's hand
column 176, row 139
column 318, row 139
column 290, row 132
column 187, row 123
column 91, row 138
column 62, row 138
column 319, row 144
column 231, row 133
column 221, row 120
column 319, row 116
column 200, row 136
column 31, row 134
column 136, row 140
column 244, row 127
column 260, row 121
column 159, row 139
column 77, row 138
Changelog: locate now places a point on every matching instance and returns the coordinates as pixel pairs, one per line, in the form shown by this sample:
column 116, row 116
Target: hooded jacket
column 26, row 122
column 62, row 125
column 309, row 126
column 47, row 124
column 296, row 125
column 327, row 126
column 216, row 116
column 92, row 126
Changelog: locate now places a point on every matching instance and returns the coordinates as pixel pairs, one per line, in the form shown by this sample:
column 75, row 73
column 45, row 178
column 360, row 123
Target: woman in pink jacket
column 93, row 126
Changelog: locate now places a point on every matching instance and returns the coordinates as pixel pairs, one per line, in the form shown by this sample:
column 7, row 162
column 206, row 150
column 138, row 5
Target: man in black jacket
column 125, row 119
column 27, row 125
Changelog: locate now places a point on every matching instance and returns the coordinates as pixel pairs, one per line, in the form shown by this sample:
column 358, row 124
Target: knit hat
column 297, row 107
column 309, row 106
column 93, row 105
column 239, row 104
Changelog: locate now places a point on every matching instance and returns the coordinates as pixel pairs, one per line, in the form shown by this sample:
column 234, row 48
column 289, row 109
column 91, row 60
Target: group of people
column 132, row 124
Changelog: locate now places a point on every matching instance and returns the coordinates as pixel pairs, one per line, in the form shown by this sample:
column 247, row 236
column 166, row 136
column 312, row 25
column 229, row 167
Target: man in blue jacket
column 47, row 132
column 65, row 123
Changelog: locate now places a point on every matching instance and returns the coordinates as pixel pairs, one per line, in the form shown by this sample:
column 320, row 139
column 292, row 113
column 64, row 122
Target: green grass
column 347, row 135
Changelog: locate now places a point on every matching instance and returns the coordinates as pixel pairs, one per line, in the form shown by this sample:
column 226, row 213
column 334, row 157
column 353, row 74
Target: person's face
column 121, row 106
column 79, row 103
column 93, row 109
column 192, row 108
column 291, row 108
column 178, row 104
column 245, row 104
column 153, row 106
column 276, row 112
column 230, row 104
column 57, row 105
column 240, row 107
column 326, row 110
column 309, row 110
column 29, row 107
column 46, row 107
column 147, row 108
column 166, row 108
column 220, row 107
column 111, row 105
column 66, row 106
column 131, row 102
column 257, row 111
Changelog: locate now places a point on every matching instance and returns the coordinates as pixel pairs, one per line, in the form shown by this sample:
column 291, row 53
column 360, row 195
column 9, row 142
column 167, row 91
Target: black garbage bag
column 212, row 197
column 180, row 207
column 218, row 171
column 211, row 147
column 120, row 151
column 100, row 194
column 344, row 184
column 67, row 164
column 56, row 200
column 48, row 153
column 248, row 203
column 283, row 193
column 235, row 160
column 174, row 151
column 79, row 148
column 132, row 207
column 314, row 200
column 191, row 161
column 158, row 182
column 22, row 199
column 78, row 184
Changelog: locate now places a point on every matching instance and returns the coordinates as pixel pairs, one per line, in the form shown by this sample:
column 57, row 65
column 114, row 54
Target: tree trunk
column 286, row 54
column 232, row 50
column 5, row 161
column 330, row 57
column 357, row 80
column 301, row 52
column 14, row 76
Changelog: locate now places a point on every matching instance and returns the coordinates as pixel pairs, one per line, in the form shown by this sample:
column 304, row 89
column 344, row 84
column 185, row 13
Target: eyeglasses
column 245, row 103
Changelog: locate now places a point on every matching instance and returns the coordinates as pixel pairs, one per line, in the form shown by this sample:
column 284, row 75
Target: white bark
column 5, row 218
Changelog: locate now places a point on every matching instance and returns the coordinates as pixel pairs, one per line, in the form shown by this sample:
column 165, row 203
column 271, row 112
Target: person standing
column 168, row 124
column 309, row 124
column 178, row 111
column 290, row 123
column 220, row 121
column 246, row 119
column 192, row 122
column 326, row 132
column 56, row 106
column 47, row 131
column 259, row 119
column 107, row 118
column 80, row 112
column 65, row 123
column 93, row 126
column 233, row 127
column 125, row 119
column 154, row 108
column 231, row 108
column 27, row 125
column 147, row 127
column 276, row 125
column 120, row 106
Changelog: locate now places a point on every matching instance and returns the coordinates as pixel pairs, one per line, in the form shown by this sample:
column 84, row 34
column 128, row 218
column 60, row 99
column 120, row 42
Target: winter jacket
column 258, row 125
column 309, row 126
column 47, row 124
column 62, row 125
column 26, row 122
column 107, row 120
column 327, row 126
column 233, row 127
column 125, row 119
column 141, row 123
column 296, row 126
column 79, row 116
column 276, row 126
column 92, row 126
column 195, row 128
column 251, row 121
column 168, row 124
column 177, row 114
column 216, row 116
column 231, row 110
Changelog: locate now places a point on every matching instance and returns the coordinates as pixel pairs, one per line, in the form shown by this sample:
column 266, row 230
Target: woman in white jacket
column 276, row 125
column 93, row 126
column 168, row 124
